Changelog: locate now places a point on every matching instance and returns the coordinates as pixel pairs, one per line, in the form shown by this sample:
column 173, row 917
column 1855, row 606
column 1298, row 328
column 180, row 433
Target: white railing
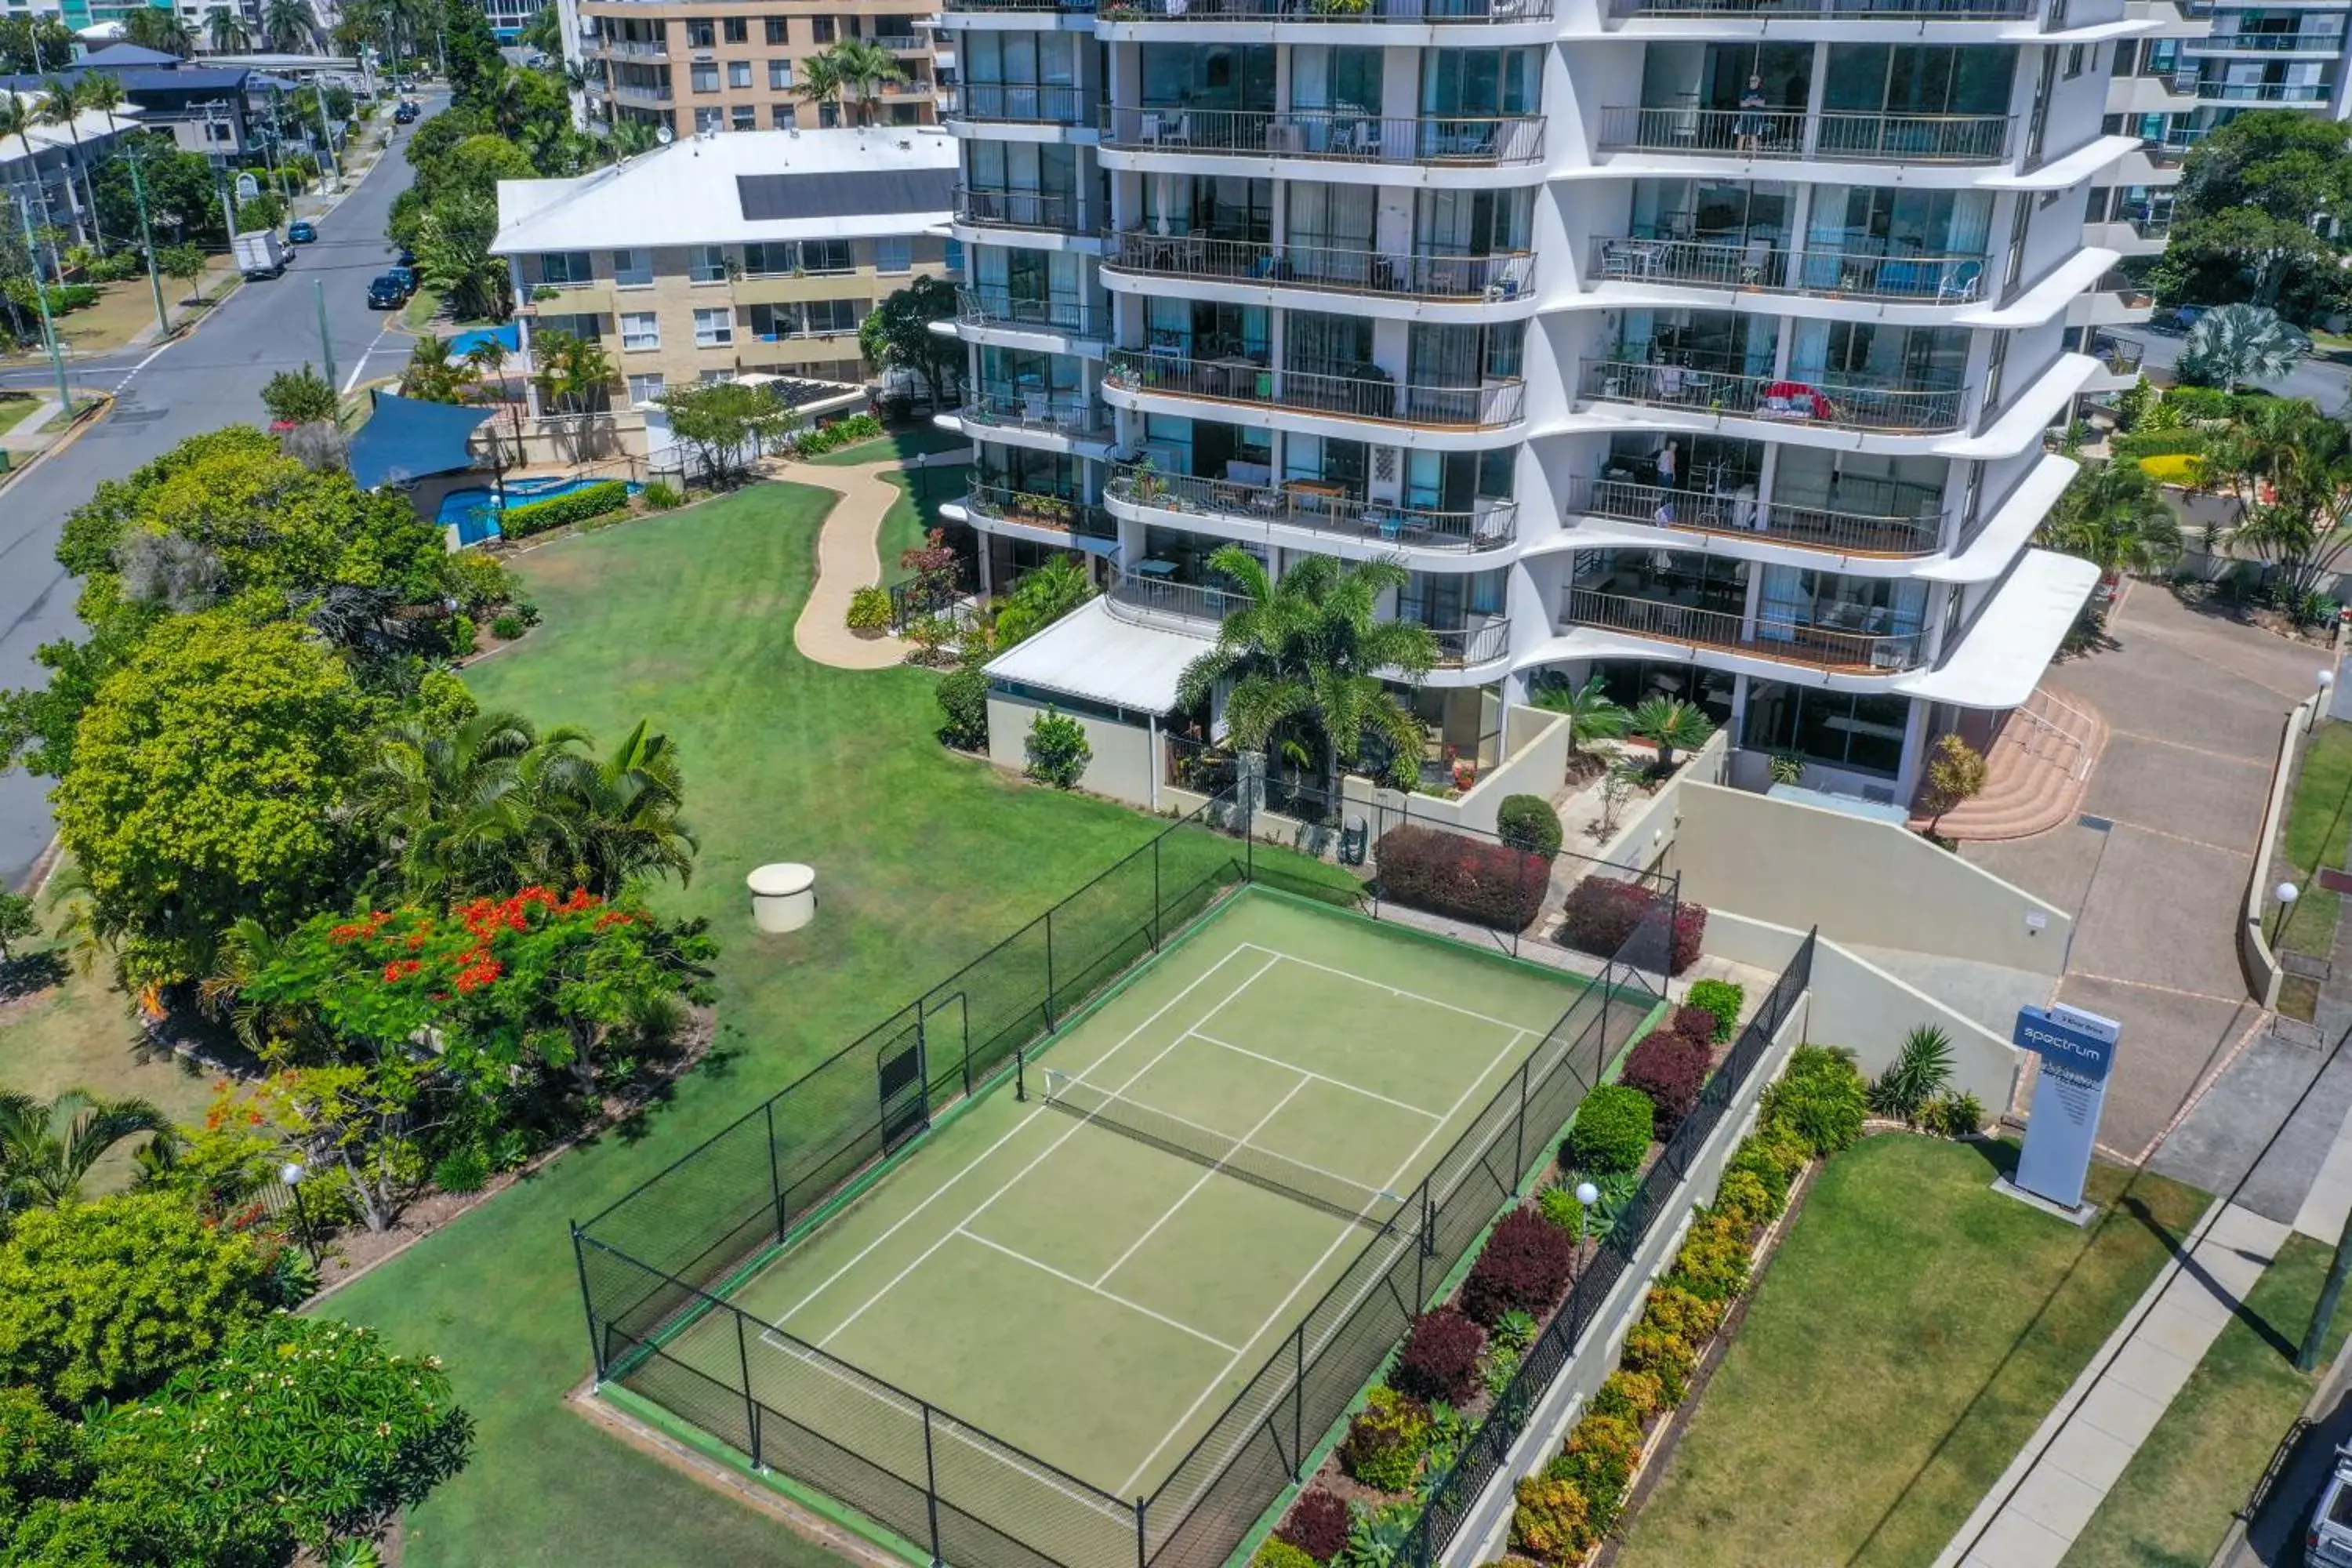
column 2058, row 730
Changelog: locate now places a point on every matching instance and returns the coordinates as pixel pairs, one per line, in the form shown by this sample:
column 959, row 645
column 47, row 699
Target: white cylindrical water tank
column 783, row 897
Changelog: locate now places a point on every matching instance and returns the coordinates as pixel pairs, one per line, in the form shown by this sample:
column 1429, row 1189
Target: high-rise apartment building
column 1704, row 346
column 739, row 65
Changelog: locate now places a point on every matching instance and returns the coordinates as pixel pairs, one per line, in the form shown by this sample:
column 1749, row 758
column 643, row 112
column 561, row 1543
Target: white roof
column 688, row 193
column 2004, row 652
column 89, row 125
column 1091, row 653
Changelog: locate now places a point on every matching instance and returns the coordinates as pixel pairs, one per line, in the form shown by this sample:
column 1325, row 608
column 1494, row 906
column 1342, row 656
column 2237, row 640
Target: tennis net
column 1373, row 1207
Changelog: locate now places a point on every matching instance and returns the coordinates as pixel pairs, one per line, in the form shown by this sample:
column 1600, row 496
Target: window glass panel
column 640, row 330
column 633, row 268
column 894, row 253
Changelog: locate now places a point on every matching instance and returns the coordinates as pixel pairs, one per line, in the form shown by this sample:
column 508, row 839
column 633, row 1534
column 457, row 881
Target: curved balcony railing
column 1813, row 10
column 1760, row 264
column 1075, row 414
column 1318, row 508
column 1486, row 407
column 1053, row 210
column 979, row 306
column 1021, row 104
column 1335, row 269
column 1334, row 11
column 1818, row 643
column 1335, row 135
column 1034, row 510
column 1790, row 399
column 1744, row 516
column 1460, row 647
column 1782, row 134
column 1150, row 600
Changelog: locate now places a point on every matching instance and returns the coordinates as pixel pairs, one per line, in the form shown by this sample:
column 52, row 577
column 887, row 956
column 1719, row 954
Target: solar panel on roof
column 844, row 194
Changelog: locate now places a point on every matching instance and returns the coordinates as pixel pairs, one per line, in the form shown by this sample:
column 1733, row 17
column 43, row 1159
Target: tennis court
column 1092, row 1273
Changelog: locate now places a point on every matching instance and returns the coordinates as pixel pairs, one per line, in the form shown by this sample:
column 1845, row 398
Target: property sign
column 247, row 187
column 2077, row 1051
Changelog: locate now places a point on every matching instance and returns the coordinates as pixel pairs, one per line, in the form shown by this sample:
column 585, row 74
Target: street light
column 921, row 495
column 2287, row 894
column 292, row 1173
column 1587, row 1194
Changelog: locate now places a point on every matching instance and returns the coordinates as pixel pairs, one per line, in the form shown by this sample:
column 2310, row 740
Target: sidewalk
column 847, row 559
column 2048, row 1494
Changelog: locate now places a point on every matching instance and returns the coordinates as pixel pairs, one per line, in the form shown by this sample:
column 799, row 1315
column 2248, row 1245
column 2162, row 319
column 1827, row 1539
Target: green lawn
column 2318, row 830
column 903, row 442
column 2172, row 1503
column 14, row 406
column 926, row 860
column 1913, row 1331
column 903, row 527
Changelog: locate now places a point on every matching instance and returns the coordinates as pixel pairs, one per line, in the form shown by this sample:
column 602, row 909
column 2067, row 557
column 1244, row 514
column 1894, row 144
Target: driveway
column 2156, row 873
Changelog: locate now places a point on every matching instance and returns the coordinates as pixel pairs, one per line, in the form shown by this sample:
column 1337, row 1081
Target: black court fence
column 656, row 1268
column 1488, row 1449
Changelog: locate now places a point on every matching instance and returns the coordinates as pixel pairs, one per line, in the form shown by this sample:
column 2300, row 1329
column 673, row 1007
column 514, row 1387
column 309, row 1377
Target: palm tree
column 2114, row 517
column 631, row 137
column 226, row 30
column 1043, row 597
column 155, row 28
column 488, row 357
column 2289, row 468
column 288, row 25
column 2241, row 345
column 97, row 91
column 1592, row 715
column 1308, row 659
column 865, row 67
column 619, row 815
column 1672, row 725
column 59, row 105
column 47, row 1150
column 509, row 102
column 821, row 80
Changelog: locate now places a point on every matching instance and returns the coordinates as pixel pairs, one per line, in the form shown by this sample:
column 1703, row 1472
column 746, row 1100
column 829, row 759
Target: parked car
column 404, row 256
column 407, row 112
column 407, row 276
column 388, row 291
column 302, row 231
column 2329, row 1543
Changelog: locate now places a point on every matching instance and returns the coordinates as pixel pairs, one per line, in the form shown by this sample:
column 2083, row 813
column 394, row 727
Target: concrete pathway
column 2048, row 1494
column 848, row 559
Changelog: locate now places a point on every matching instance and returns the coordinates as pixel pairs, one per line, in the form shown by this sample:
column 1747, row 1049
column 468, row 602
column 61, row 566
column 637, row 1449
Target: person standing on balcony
column 1749, row 127
column 1668, row 461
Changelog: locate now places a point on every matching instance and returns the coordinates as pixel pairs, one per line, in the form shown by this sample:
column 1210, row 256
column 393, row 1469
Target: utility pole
column 48, row 326
column 147, row 240
column 318, row 97
column 326, row 338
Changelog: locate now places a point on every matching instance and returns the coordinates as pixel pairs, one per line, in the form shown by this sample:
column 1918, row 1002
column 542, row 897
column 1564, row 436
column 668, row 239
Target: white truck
column 260, row 253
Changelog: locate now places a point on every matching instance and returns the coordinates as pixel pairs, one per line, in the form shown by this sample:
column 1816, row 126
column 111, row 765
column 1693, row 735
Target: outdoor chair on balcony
column 1752, row 265
column 1959, row 284
column 1163, row 131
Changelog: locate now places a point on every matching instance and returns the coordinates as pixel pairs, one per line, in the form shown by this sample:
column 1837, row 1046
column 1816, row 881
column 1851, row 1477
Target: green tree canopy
column 2251, row 197
column 898, row 333
column 727, row 424
column 298, row 396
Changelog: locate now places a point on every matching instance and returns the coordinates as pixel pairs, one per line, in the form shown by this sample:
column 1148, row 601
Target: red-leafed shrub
column 1317, row 1525
column 1671, row 1069
column 1525, row 1269
column 1464, row 879
column 1602, row 914
column 1693, row 1024
column 1440, row 1359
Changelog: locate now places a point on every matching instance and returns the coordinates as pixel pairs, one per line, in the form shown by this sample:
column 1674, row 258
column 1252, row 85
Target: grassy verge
column 927, row 860
column 1915, row 1329
column 905, row 525
column 423, row 308
column 14, row 408
column 2175, row 1500
column 2318, row 832
column 904, row 442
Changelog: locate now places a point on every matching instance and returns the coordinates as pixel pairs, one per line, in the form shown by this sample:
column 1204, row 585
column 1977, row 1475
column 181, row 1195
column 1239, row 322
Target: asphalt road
column 208, row 378
column 2325, row 382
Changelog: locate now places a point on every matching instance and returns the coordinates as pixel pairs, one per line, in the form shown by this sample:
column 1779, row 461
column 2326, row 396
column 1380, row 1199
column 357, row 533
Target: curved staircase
column 2039, row 764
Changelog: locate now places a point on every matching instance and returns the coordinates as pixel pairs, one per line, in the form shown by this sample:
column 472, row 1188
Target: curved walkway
column 848, row 558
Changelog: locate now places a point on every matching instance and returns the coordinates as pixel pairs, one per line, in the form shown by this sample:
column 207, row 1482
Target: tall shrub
column 1464, row 879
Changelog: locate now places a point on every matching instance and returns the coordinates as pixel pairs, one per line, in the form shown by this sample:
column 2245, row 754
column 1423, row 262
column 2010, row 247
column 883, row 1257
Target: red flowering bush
column 1440, row 1359
column 1463, row 879
column 1602, row 914
column 1671, row 1069
column 1317, row 1525
column 1525, row 1269
column 1693, row 1024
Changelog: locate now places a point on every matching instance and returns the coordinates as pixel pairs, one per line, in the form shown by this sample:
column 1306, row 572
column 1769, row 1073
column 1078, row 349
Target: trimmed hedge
column 1317, row 1525
column 563, row 511
column 1463, row 879
column 1723, row 998
column 1601, row 915
column 840, row 433
column 1440, row 1359
column 1525, row 1269
column 1671, row 1069
column 1528, row 822
column 1611, row 1131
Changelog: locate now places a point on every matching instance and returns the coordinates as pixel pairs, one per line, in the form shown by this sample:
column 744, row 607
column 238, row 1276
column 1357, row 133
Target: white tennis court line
column 1395, row 990
column 1096, row 1289
column 1042, row 1154
column 1014, row 1130
column 1316, row 1077
column 1239, row 1144
column 1347, row 1230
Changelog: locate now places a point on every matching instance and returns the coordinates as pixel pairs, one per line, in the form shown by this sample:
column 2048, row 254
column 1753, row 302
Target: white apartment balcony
column 1758, row 265
column 1894, row 535
column 985, row 103
column 1629, row 11
column 2163, row 93
column 1326, row 402
column 1044, row 518
column 2116, row 300
column 1019, row 16
column 1835, row 135
column 1684, row 626
column 643, row 95
column 2268, row 46
column 1158, row 137
column 2119, row 361
column 1303, row 514
column 1416, row 286
column 1467, row 655
column 1030, row 211
column 2309, row 94
column 902, row 43
column 1049, row 422
column 629, row 48
column 1378, row 21
column 2143, row 236
column 1015, row 320
column 1793, row 400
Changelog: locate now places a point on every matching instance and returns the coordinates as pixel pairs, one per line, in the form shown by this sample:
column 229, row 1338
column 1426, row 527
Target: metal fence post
column 1299, row 1408
column 1049, row 969
column 1155, row 891
column 1519, row 1129
column 775, row 1173
column 750, row 1405
column 930, row 1484
column 1142, row 1552
column 588, row 1302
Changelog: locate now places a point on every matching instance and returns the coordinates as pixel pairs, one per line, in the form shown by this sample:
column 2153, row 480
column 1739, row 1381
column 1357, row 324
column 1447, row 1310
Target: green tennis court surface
column 1091, row 1296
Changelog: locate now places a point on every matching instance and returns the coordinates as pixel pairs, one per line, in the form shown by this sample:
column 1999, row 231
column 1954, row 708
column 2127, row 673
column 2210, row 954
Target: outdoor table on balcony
column 1318, row 494
column 1157, row 570
column 1234, row 377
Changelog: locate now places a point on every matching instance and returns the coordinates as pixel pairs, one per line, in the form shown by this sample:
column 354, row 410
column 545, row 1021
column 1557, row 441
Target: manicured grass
column 422, row 307
column 926, row 860
column 1913, row 1331
column 903, row 527
column 14, row 407
column 2318, row 830
column 903, row 442
column 2175, row 1500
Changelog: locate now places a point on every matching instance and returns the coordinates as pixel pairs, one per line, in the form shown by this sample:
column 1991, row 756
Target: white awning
column 2013, row 639
column 1092, row 654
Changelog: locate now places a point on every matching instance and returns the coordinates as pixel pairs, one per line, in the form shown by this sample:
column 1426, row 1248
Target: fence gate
column 899, row 1074
column 947, row 1023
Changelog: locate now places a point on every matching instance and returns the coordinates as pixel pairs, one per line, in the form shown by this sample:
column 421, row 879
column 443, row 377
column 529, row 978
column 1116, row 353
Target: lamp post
column 922, row 494
column 1587, row 1194
column 293, row 1173
column 2287, row 894
column 2319, row 708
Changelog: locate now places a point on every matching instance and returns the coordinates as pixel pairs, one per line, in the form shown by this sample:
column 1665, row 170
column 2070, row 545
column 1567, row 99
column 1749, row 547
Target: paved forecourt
column 1097, row 1299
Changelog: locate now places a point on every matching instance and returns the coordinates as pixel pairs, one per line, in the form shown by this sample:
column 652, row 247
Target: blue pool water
column 475, row 510
column 463, row 343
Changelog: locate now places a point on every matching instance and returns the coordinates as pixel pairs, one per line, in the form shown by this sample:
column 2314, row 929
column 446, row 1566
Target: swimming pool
column 475, row 510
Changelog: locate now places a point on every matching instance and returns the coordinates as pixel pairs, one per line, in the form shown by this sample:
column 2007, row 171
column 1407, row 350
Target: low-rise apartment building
column 740, row 65
column 724, row 255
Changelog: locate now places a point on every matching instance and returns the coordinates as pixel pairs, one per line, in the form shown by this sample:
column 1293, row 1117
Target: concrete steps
column 2033, row 786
